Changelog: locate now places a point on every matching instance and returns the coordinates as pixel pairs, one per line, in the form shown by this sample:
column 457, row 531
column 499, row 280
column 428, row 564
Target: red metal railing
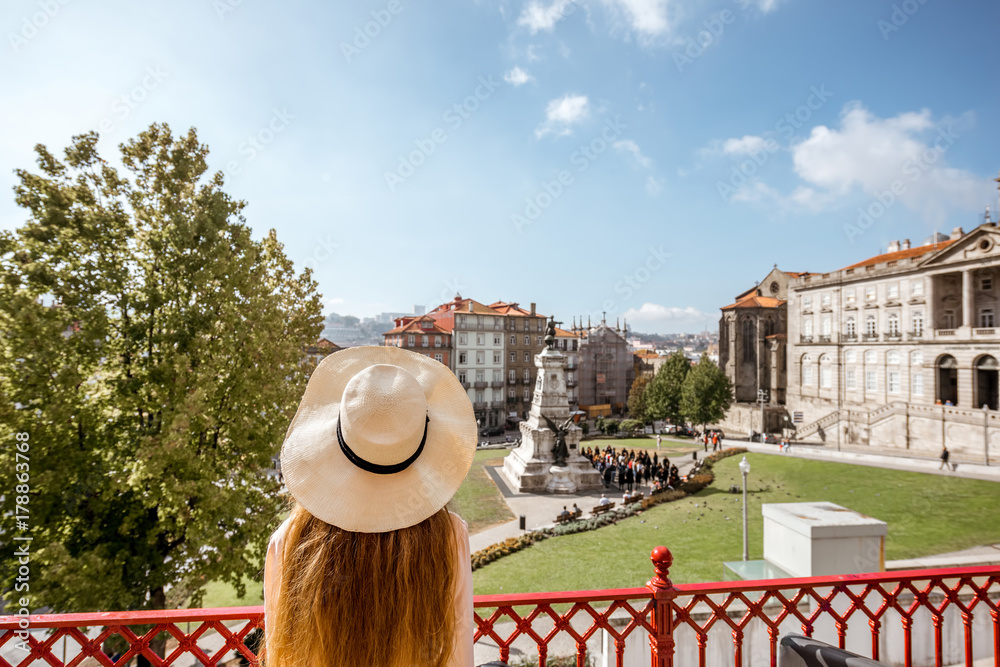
column 915, row 618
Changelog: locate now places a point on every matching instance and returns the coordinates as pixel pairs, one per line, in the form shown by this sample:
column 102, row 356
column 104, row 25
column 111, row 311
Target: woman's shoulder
column 279, row 534
column 460, row 525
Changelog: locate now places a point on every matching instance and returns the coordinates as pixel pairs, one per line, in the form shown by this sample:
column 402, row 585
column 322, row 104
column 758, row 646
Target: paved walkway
column 895, row 461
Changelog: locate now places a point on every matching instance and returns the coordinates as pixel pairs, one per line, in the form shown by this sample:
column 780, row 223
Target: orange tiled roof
column 799, row 274
column 459, row 305
column 414, row 326
column 901, row 254
column 754, row 301
column 507, row 308
column 562, row 333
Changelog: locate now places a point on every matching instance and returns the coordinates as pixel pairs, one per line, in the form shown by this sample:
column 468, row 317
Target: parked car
column 766, row 438
column 684, row 431
column 493, row 431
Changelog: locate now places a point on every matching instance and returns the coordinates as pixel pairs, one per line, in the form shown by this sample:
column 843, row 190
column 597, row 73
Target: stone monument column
column 548, row 459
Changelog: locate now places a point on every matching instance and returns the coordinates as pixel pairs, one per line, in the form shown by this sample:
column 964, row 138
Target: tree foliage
column 637, row 407
column 153, row 351
column 706, row 393
column 663, row 395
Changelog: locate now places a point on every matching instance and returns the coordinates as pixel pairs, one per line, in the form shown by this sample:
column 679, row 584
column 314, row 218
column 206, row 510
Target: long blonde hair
column 364, row 599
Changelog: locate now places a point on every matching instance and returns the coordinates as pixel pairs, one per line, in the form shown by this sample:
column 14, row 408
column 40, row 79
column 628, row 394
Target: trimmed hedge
column 514, row 544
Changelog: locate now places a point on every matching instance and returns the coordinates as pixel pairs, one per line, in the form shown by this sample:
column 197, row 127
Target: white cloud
column 648, row 18
column 538, row 17
column 563, row 112
column 768, row 6
column 630, row 147
column 335, row 301
column 654, row 186
column 651, row 317
column 517, row 77
column 745, row 146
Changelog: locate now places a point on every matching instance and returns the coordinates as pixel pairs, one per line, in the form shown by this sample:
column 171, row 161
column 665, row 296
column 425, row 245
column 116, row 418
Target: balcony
column 572, row 383
column 850, row 338
column 945, row 332
column 869, row 337
column 989, row 331
column 915, row 617
column 915, row 335
column 893, row 335
column 805, row 339
column 497, row 384
column 824, row 338
column 480, row 405
column 480, row 384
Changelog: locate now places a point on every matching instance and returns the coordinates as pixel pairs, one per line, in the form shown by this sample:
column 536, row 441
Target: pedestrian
column 374, row 423
column 715, row 441
column 945, row 455
column 657, row 440
column 705, row 437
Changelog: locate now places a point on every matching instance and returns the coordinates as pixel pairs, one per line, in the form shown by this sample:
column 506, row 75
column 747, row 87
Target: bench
column 572, row 516
column 634, row 498
column 601, row 509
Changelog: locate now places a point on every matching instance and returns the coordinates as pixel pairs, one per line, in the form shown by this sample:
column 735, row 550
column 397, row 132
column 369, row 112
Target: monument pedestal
column 531, row 468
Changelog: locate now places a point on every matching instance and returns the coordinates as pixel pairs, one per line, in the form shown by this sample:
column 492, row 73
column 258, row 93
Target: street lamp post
column 745, row 469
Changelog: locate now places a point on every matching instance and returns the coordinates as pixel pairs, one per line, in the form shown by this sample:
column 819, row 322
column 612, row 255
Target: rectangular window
column 511, row 393
column 825, row 377
column 527, row 394
column 480, row 377
column 918, row 323
column 497, row 340
column 463, row 358
column 460, row 321
column 527, row 374
column 948, row 319
column 479, row 321
column 527, row 340
column 807, row 375
column 986, row 283
column 437, row 341
column 849, row 296
column 807, row 328
column 439, row 358
column 870, row 294
column 850, row 356
column 917, row 288
column 513, row 357
column 462, row 377
column 893, row 382
column 827, row 326
column 511, row 375
column 918, row 384
column 850, row 328
column 425, row 341
column 540, row 342
column 871, row 381
column 986, row 318
column 479, row 397
column 892, row 292
column 850, row 379
column 480, row 358
column 893, row 324
column 807, row 302
column 480, row 339
column 497, row 359
column 825, row 299
column 513, row 339
column 411, row 340
column 463, row 339
column 527, row 357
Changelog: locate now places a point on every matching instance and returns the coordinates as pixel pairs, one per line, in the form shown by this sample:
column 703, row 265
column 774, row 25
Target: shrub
column 610, row 426
column 585, row 427
column 630, row 426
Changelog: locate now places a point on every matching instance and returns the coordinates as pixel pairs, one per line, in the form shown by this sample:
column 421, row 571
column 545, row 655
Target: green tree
column 663, row 395
column 706, row 393
column 153, row 351
column 637, row 407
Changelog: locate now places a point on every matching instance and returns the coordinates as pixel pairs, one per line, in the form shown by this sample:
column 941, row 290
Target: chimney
column 956, row 233
column 906, row 245
column 532, row 309
column 893, row 247
column 470, row 306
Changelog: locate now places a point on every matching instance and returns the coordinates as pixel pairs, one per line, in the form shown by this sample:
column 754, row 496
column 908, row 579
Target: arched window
column 871, row 326
column 851, row 328
column 987, row 370
column 893, row 324
column 947, row 380
column 825, row 372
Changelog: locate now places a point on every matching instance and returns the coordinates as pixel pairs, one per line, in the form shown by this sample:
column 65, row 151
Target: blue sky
column 648, row 158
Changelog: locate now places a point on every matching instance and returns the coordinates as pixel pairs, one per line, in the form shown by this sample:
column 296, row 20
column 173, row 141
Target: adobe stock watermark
column 450, row 288
column 223, row 7
column 33, row 24
column 655, row 259
column 695, row 46
column 454, row 117
column 363, row 35
column 258, row 142
column 581, row 158
column 323, row 252
column 743, row 171
column 899, row 16
column 125, row 104
column 912, row 170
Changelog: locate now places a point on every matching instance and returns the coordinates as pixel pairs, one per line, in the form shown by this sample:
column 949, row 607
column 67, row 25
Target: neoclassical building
column 901, row 350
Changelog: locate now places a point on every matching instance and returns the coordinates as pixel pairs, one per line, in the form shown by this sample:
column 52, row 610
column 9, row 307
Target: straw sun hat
column 382, row 440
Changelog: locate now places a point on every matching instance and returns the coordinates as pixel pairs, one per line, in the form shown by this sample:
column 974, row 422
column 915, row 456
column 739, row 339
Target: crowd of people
column 631, row 469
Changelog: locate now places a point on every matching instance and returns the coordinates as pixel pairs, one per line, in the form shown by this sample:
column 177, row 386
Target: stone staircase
column 822, row 423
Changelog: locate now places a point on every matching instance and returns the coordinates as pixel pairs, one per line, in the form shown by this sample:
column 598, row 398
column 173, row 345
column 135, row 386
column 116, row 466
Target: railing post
column 661, row 641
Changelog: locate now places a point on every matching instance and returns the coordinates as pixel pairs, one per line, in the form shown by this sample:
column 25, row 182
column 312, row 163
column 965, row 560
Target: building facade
column 524, row 331
column 606, row 369
column 901, row 350
column 478, row 355
column 423, row 335
column 568, row 343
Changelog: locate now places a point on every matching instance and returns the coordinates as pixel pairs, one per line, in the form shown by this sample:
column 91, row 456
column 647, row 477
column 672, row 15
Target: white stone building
column 901, row 350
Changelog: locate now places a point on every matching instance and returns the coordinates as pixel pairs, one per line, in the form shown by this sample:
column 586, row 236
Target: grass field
column 927, row 514
column 478, row 500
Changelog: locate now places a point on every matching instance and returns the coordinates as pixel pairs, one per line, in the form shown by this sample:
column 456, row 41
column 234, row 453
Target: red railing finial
column 662, row 560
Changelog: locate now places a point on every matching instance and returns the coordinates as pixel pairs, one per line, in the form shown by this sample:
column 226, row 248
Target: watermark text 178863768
column 22, row 473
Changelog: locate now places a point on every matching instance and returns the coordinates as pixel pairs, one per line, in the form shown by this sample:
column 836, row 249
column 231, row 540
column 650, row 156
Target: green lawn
column 478, row 500
column 927, row 514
